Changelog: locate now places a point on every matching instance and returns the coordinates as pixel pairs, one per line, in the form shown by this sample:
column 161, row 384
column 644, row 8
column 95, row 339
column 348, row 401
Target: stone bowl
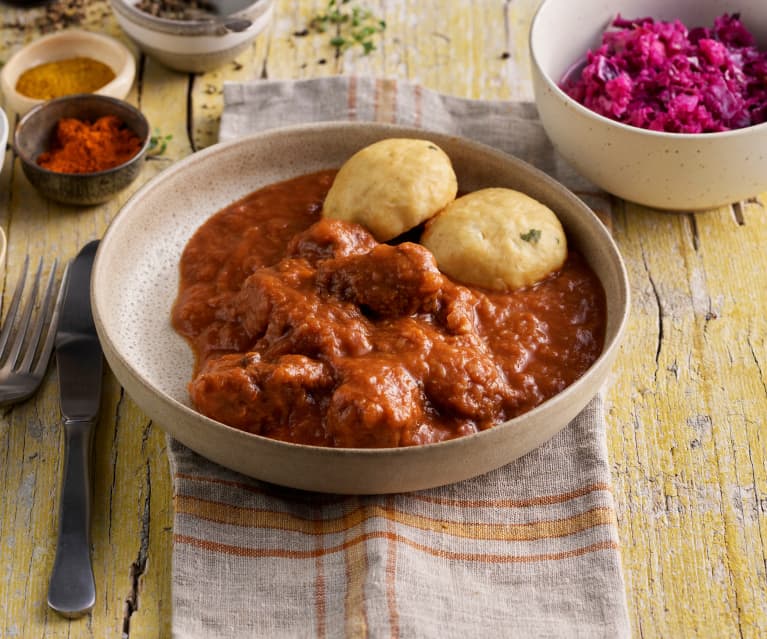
column 33, row 136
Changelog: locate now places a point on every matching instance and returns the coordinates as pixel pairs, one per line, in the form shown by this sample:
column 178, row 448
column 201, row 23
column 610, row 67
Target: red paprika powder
column 84, row 147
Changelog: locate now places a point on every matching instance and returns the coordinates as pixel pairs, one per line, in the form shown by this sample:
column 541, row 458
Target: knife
column 72, row 590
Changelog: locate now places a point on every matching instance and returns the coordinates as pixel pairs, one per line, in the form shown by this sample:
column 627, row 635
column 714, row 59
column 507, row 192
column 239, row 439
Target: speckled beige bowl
column 664, row 170
column 60, row 46
column 136, row 277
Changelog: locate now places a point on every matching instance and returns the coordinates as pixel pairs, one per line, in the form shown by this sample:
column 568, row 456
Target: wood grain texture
column 687, row 403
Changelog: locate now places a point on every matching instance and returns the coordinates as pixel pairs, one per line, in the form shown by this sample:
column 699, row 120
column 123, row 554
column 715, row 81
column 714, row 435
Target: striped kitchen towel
column 528, row 550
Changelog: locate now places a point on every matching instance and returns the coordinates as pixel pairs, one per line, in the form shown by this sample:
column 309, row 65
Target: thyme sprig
column 158, row 143
column 352, row 25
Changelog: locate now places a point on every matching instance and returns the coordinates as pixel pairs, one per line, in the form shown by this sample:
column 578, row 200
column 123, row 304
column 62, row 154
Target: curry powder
column 64, row 77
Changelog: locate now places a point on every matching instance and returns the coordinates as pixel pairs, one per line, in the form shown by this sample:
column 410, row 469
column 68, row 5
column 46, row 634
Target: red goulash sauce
column 308, row 330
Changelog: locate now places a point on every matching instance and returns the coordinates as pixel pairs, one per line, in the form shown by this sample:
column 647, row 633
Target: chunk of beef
column 280, row 307
column 464, row 379
column 377, row 404
column 390, row 281
column 248, row 393
column 330, row 238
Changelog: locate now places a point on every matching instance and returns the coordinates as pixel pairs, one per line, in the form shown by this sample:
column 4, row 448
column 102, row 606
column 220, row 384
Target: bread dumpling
column 496, row 238
column 392, row 186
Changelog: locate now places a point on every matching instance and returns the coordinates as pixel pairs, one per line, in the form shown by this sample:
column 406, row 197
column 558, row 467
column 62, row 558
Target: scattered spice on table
column 64, row 77
column 84, row 147
column 55, row 15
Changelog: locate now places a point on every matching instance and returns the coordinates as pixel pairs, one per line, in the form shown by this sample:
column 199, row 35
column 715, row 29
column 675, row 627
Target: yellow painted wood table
column 686, row 409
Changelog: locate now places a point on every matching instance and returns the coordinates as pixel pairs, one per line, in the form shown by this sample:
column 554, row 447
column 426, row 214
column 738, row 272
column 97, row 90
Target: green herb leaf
column 532, row 236
column 353, row 25
column 158, row 143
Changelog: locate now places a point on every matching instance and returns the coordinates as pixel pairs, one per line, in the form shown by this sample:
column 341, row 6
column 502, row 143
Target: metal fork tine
column 42, row 316
column 21, row 331
column 10, row 317
column 50, row 336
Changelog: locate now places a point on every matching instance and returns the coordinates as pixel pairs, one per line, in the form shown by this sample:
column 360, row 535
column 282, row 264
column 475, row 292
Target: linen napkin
column 529, row 550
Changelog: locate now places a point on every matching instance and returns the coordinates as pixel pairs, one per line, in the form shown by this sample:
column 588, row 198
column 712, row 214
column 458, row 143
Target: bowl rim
column 604, row 359
column 603, row 120
column 3, row 248
column 108, row 99
column 119, row 85
column 168, row 24
column 4, row 134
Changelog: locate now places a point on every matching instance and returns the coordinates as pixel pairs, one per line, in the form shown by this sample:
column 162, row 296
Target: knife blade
column 79, row 360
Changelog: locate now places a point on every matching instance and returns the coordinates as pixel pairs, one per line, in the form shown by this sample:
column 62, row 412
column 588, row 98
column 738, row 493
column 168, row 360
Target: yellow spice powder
column 64, row 77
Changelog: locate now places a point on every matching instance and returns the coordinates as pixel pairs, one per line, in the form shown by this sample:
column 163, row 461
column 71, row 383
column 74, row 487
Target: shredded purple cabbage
column 664, row 77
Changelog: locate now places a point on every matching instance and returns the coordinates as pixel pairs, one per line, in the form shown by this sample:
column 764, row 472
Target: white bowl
column 132, row 301
column 60, row 46
column 3, row 249
column 3, row 136
column 195, row 45
column 665, row 170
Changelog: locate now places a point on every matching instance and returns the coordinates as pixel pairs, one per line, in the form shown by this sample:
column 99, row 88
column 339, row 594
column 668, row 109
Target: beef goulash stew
column 308, row 329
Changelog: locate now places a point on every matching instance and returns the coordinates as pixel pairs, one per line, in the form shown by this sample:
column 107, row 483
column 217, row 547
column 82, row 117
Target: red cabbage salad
column 663, row 76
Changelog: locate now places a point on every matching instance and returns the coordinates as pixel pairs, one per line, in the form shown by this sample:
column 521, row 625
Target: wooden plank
column 686, row 408
column 131, row 528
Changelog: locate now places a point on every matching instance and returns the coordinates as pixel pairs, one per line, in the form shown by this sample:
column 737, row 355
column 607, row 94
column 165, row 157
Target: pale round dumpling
column 496, row 238
column 392, row 186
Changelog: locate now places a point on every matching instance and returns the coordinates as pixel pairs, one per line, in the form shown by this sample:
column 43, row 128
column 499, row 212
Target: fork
column 20, row 380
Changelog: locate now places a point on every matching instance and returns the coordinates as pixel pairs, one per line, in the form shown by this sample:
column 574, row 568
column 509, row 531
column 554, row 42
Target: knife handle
column 72, row 590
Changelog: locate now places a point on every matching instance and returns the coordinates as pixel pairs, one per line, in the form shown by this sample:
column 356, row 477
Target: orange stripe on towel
column 544, row 500
column 286, row 553
column 480, row 530
column 356, row 570
column 386, row 101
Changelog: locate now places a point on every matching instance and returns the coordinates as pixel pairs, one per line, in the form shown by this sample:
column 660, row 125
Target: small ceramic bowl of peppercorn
column 65, row 63
column 193, row 35
column 82, row 149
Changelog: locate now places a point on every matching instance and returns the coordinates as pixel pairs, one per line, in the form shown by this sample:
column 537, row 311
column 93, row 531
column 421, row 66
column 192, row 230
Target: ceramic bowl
column 674, row 171
column 136, row 277
column 3, row 250
column 3, row 136
column 195, row 45
column 62, row 45
column 33, row 136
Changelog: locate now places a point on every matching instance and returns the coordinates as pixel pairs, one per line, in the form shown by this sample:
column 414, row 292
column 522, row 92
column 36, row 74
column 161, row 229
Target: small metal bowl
column 35, row 131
